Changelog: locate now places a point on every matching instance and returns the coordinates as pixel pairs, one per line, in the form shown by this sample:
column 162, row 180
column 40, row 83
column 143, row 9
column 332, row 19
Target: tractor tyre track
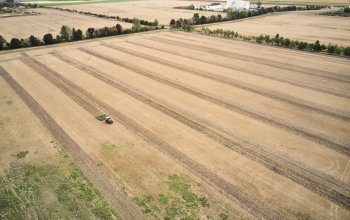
column 326, row 186
column 280, row 65
column 241, row 85
column 232, row 192
column 309, row 134
column 328, row 91
column 97, row 175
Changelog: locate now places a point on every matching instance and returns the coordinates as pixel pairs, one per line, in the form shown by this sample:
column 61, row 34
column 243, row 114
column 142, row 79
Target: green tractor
column 105, row 117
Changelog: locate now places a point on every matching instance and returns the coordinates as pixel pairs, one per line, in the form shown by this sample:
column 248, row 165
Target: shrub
column 331, row 49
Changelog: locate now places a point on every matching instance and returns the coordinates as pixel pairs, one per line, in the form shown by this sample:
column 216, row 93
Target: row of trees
column 271, row 9
column 280, row 41
column 68, row 34
column 233, row 15
column 344, row 12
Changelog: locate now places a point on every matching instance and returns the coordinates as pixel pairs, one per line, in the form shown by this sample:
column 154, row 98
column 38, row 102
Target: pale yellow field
column 306, row 26
column 259, row 131
column 50, row 21
column 144, row 9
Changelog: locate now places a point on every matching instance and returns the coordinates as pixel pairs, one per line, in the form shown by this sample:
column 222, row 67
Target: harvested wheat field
column 145, row 9
column 306, row 26
column 50, row 21
column 203, row 127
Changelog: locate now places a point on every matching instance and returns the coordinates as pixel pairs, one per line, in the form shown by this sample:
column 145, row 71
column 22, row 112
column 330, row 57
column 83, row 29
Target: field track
column 293, row 82
column 266, row 62
column 95, row 174
column 230, row 191
column 234, row 83
column 327, row 186
column 306, row 133
column 241, row 85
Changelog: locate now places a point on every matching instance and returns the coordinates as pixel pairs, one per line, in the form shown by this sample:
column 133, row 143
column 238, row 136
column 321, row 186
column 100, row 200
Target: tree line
column 280, row 41
column 234, row 15
column 344, row 12
column 274, row 8
column 68, row 34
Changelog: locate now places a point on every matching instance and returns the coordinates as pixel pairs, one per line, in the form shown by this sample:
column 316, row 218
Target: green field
column 307, row 2
column 59, row 190
column 73, row 2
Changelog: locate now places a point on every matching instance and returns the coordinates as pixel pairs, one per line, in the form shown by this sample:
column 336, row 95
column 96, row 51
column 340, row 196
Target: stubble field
column 50, row 21
column 305, row 26
column 145, row 9
column 257, row 133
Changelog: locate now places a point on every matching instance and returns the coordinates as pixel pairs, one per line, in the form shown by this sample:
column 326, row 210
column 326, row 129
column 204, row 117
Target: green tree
column 119, row 29
column 212, row 19
column 259, row 4
column 156, row 22
column 347, row 51
column 302, row 45
column 287, row 42
column 2, row 42
column 317, row 46
column 34, row 41
column 25, row 42
column 331, row 49
column 48, row 39
column 172, row 23
column 203, row 20
column 66, row 33
column 73, row 34
column 219, row 17
column 136, row 25
column 77, row 34
column 90, row 33
column 277, row 39
column 338, row 50
column 196, row 18
column 58, row 38
column 15, row 43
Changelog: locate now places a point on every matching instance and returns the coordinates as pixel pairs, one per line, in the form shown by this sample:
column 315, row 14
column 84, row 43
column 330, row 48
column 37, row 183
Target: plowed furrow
column 38, row 67
column 293, row 82
column 232, row 192
column 310, row 134
column 95, row 174
column 326, row 186
column 241, row 85
column 262, row 61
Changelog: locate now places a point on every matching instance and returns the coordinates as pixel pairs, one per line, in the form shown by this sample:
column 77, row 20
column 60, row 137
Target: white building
column 214, row 7
column 231, row 4
column 237, row 4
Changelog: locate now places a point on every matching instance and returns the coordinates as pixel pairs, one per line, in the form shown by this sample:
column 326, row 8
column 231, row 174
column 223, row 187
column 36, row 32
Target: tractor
column 105, row 117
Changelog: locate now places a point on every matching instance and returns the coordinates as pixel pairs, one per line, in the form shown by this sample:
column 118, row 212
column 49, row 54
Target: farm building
column 231, row 4
column 237, row 4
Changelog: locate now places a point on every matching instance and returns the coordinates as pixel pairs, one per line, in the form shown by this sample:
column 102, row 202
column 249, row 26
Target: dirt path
column 230, row 191
column 327, row 186
column 97, row 175
column 262, row 61
column 277, row 78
